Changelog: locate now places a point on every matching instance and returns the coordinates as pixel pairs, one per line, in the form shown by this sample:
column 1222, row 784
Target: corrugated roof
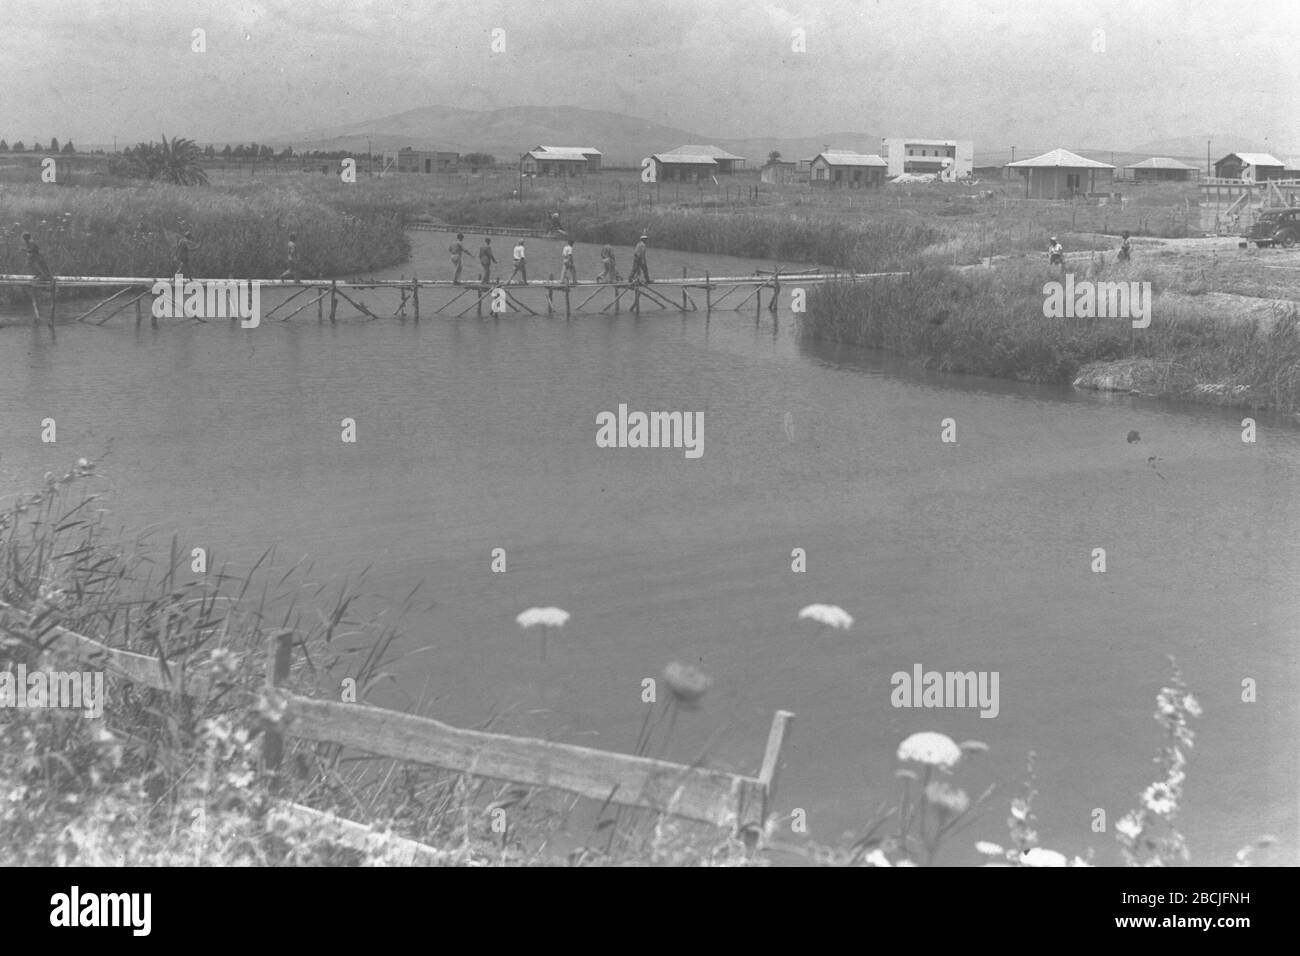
column 710, row 151
column 565, row 155
column 838, row 157
column 1061, row 157
column 570, row 149
column 685, row 159
column 1256, row 159
column 1160, row 162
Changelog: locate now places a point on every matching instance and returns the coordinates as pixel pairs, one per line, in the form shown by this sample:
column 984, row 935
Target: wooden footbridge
column 437, row 296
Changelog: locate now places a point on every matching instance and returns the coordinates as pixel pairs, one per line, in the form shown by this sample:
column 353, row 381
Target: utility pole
column 1013, row 154
column 1209, row 170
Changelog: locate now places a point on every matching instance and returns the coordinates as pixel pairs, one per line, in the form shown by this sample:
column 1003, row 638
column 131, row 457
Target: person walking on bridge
column 291, row 250
column 457, row 249
column 609, row 272
column 639, row 263
column 521, row 265
column 570, row 274
column 485, row 259
column 184, row 247
column 35, row 261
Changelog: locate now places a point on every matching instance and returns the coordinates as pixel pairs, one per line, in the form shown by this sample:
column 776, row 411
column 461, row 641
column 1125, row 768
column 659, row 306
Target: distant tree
column 18, row 147
column 773, row 156
column 4, row 147
column 286, row 153
column 266, row 152
column 479, row 159
column 36, row 146
column 175, row 161
column 209, row 151
column 226, row 152
column 68, row 147
column 54, row 144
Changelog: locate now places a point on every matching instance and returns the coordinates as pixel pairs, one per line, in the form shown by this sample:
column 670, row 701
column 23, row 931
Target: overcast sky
column 1085, row 73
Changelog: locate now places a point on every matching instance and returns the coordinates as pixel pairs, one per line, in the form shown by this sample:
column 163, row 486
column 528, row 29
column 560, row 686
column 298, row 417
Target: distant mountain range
column 505, row 133
column 624, row 140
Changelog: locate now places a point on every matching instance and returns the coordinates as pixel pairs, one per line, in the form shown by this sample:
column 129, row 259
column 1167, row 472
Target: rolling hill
column 507, row 132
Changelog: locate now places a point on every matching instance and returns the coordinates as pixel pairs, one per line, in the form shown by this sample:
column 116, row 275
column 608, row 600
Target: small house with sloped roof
column 727, row 162
column 683, row 167
column 556, row 161
column 842, row 167
column 1160, row 169
column 1250, row 167
column 1061, row 174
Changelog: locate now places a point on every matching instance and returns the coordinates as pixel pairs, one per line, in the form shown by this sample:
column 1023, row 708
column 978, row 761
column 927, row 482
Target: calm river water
column 476, row 434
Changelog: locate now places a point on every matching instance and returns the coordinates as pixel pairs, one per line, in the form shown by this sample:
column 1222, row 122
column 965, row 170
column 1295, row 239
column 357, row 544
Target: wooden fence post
column 767, row 774
column 277, row 672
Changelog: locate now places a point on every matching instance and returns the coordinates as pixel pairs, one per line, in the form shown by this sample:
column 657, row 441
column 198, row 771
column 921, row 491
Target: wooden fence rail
column 717, row 797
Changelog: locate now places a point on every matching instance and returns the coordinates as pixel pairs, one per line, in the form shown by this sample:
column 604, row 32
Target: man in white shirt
column 570, row 275
column 521, row 267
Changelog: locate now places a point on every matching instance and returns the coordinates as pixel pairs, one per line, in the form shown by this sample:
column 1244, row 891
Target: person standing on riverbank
column 36, row 264
column 485, row 259
column 1125, row 249
column 521, row 265
column 457, row 249
column 570, row 274
column 638, row 262
column 184, row 247
column 1055, row 254
column 291, row 250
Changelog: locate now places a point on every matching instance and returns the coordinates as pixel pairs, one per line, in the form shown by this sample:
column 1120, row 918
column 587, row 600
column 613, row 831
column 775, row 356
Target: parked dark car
column 1277, row 226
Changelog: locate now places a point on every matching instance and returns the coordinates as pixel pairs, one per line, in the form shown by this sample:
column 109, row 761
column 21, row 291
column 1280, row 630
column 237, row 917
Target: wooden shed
column 554, row 161
column 683, row 167
column 1250, row 167
column 778, row 171
column 408, row 160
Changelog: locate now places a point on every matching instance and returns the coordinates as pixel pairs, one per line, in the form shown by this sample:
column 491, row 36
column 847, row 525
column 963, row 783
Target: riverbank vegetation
column 990, row 322
column 161, row 780
column 242, row 233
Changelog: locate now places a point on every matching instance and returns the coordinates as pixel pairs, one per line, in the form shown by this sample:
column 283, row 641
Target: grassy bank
column 991, row 322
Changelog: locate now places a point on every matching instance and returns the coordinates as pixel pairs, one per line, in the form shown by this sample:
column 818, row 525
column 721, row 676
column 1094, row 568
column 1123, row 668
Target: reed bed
column 990, row 322
column 242, row 232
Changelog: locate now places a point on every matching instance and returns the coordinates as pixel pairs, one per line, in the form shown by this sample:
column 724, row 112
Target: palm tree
column 180, row 162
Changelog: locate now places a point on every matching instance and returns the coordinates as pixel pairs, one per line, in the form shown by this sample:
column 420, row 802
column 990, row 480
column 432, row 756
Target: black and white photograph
column 703, row 433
